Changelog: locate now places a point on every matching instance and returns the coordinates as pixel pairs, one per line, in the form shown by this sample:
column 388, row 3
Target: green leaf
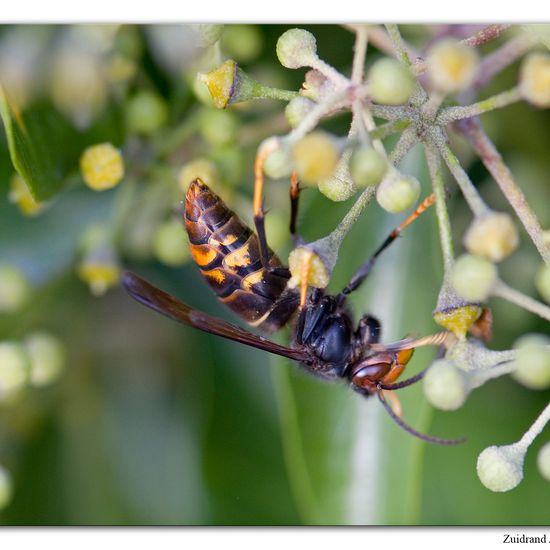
column 43, row 146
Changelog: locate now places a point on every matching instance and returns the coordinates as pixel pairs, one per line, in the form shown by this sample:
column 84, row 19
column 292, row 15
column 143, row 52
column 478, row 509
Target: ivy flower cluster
column 422, row 96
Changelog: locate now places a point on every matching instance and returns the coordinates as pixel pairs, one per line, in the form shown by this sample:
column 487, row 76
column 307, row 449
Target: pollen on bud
column 451, row 66
column 533, row 361
column 543, row 461
column 297, row 48
column 170, row 243
column 445, row 386
column 102, row 166
column 47, row 357
column 397, row 192
column 146, row 112
column 390, row 82
column 367, row 166
column 542, row 282
column 317, row 274
column 20, row 195
column 473, row 277
column 315, row 157
column 500, row 469
column 199, row 168
column 493, row 236
column 534, row 80
column 6, row 487
column 458, row 319
column 297, row 109
column 14, row 369
column 15, row 289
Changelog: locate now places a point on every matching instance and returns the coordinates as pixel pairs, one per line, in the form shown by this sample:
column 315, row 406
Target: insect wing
column 169, row 306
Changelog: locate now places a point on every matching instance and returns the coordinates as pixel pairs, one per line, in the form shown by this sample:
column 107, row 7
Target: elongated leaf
column 43, row 146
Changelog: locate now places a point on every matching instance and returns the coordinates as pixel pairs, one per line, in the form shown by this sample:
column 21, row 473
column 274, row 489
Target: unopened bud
column 542, row 282
column 500, row 469
column 390, row 82
column 534, row 83
column 315, row 157
column 102, row 166
column 451, row 66
column 367, row 166
column 445, row 386
column 493, row 236
column 397, row 192
column 170, row 244
column 473, row 277
column 533, row 361
column 297, row 48
column 297, row 109
column 543, row 461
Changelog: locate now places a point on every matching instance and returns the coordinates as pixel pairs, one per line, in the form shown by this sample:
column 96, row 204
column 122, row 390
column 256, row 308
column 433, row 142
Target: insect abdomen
column 228, row 255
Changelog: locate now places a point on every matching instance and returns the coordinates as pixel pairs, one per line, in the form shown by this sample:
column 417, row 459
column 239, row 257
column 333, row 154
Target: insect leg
column 294, row 203
column 363, row 272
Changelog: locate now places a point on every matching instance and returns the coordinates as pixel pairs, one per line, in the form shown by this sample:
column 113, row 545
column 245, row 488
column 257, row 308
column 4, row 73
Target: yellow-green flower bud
column 542, row 282
column 279, row 163
column 533, row 361
column 14, row 369
column 339, row 187
column 315, row 157
column 170, row 244
column 367, row 166
column 445, row 386
column 297, row 109
column 146, row 112
column 218, row 127
column 534, row 82
column 102, row 166
column 6, row 487
column 15, row 289
column 199, row 168
column 451, row 66
column 500, row 469
column 543, row 461
column 47, row 358
column 473, row 277
column 397, row 192
column 20, row 195
column 458, row 319
column 493, row 236
column 390, row 82
column 297, row 48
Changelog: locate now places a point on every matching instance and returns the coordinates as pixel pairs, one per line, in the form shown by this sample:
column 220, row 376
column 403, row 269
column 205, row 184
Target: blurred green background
column 153, row 423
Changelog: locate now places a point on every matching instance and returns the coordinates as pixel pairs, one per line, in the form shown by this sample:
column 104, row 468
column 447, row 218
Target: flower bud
column 229, row 84
column 6, row 487
column 297, row 109
column 279, row 162
column 102, row 166
column 317, row 274
column 397, row 192
column 20, row 195
column 493, row 236
column 199, row 168
column 534, row 80
column 15, row 289
column 297, row 48
column 445, row 386
column 339, row 187
column 218, row 127
column 14, row 369
column 316, row 86
column 390, row 82
column 451, row 66
column 243, row 42
column 500, row 469
column 146, row 112
column 542, row 282
column 47, row 358
column 367, row 166
column 473, row 277
column 533, row 361
column 315, row 157
column 170, row 244
column 543, row 461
